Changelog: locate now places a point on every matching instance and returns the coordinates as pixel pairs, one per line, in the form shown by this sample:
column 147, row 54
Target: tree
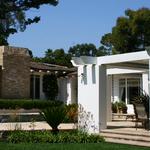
column 58, row 57
column 86, row 50
column 13, row 16
column 131, row 33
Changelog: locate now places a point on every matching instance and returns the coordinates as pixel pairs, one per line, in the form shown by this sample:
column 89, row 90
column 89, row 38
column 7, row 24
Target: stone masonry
column 15, row 72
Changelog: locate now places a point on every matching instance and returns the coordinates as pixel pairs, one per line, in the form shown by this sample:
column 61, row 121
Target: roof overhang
column 135, row 60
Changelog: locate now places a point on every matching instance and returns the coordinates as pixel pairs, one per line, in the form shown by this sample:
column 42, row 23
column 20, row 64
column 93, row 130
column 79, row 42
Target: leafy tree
column 131, row 33
column 58, row 57
column 86, row 50
column 13, row 16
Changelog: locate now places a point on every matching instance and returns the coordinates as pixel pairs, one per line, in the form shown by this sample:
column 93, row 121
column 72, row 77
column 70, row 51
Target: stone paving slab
column 33, row 125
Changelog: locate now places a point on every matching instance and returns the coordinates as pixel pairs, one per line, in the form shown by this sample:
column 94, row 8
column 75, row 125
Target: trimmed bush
column 27, row 104
column 48, row 137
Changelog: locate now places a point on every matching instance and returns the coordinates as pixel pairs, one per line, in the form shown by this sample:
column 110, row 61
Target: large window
column 128, row 89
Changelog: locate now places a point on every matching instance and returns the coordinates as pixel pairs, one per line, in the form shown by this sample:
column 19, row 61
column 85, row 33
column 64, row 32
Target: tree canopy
column 13, row 16
column 60, row 57
column 131, row 32
column 57, row 56
column 87, row 50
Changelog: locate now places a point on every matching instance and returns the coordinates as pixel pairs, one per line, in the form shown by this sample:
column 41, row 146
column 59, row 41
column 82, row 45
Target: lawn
column 39, row 146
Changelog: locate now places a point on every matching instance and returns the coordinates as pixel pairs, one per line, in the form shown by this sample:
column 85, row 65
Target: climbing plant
column 50, row 86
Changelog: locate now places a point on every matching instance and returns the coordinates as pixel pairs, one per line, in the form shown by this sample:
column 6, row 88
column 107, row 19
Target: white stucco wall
column 67, row 90
column 91, row 95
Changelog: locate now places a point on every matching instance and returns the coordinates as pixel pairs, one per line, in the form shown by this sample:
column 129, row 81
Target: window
column 122, row 90
column 35, row 86
column 133, row 89
column 128, row 89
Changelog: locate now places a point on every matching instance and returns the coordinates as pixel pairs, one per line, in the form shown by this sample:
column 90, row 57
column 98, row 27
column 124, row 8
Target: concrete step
column 127, row 132
column 127, row 137
column 129, row 142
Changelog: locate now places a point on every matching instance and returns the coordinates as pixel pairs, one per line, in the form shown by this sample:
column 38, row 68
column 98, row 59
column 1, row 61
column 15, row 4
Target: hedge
column 27, row 104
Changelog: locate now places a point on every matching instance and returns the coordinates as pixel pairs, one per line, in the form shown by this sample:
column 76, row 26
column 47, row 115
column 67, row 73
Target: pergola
column 92, row 82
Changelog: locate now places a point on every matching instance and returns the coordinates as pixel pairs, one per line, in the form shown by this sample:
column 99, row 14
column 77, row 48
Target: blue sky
column 72, row 22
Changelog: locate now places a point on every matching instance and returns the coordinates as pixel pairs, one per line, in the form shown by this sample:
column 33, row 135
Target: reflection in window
column 128, row 89
column 122, row 90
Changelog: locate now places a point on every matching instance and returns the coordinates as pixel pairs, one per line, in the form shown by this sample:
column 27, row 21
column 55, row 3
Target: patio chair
column 141, row 115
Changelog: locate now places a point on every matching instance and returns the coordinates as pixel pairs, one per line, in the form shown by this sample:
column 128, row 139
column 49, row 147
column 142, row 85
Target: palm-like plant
column 54, row 116
column 142, row 98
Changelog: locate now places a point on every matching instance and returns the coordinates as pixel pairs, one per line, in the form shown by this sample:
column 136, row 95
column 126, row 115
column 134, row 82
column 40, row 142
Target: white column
column 102, row 97
column 69, row 91
column 108, row 97
column 145, row 81
column 149, row 91
column 42, row 95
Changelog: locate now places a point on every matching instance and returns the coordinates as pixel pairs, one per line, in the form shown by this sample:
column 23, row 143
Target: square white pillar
column 145, row 82
column 149, row 91
column 102, row 97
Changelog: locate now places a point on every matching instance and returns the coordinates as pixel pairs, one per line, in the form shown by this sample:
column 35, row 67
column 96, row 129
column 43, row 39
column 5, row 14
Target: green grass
column 39, row 146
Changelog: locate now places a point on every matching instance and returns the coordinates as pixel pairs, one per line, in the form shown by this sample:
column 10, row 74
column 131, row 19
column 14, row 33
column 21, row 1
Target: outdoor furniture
column 141, row 115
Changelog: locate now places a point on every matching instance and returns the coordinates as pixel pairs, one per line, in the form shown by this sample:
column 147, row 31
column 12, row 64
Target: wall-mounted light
column 31, row 70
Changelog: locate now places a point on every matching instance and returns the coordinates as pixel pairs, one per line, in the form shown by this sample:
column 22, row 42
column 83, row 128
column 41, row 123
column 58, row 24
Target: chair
column 140, row 114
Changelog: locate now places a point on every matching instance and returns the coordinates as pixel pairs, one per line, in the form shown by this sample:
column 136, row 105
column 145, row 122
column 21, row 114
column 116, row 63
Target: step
column 126, row 137
column 129, row 142
column 127, row 132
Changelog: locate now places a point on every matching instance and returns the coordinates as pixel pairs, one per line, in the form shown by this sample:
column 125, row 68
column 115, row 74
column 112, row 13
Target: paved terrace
column 33, row 125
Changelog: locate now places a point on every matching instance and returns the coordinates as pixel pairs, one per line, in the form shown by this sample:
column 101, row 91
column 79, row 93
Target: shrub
column 27, row 104
column 71, row 113
column 114, row 107
column 119, row 107
column 143, row 98
column 54, row 116
column 47, row 137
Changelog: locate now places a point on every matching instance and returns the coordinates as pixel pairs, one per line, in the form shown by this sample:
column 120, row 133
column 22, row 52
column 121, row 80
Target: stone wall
column 15, row 64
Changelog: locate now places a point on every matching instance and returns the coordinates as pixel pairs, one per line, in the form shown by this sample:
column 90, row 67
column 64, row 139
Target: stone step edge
column 143, row 144
column 126, row 133
column 131, row 138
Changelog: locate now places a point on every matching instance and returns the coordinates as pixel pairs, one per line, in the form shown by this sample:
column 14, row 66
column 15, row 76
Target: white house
column 102, row 80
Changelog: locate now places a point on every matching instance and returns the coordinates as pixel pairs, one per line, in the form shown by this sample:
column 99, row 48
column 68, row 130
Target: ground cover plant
column 48, row 137
column 87, row 146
